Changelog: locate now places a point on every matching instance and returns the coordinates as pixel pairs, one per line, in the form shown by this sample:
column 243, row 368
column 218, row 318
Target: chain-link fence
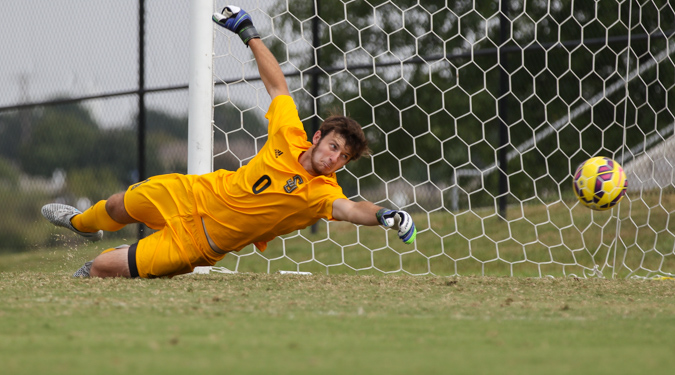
column 70, row 108
column 470, row 107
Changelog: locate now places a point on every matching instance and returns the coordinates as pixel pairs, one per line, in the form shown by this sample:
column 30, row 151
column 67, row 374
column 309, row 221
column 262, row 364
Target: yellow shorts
column 166, row 203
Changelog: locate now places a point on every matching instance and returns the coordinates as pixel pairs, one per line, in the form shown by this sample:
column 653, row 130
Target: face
column 329, row 154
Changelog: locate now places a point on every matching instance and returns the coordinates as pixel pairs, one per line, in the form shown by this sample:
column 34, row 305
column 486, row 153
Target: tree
column 61, row 138
column 239, row 137
column 432, row 107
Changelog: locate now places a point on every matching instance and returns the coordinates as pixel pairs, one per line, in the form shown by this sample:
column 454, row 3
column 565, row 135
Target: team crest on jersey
column 278, row 153
column 292, row 183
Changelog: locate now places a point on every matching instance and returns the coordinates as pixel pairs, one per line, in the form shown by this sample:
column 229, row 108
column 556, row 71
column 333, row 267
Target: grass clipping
column 274, row 294
column 293, row 324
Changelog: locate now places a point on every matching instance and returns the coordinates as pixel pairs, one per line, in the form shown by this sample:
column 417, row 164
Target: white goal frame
column 200, row 92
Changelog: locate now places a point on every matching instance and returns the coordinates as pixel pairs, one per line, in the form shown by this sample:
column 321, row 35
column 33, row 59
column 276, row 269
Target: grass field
column 251, row 323
column 560, row 239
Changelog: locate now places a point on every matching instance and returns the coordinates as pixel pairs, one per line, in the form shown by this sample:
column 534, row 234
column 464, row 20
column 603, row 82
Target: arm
column 362, row 213
column 366, row 213
column 239, row 22
column 269, row 69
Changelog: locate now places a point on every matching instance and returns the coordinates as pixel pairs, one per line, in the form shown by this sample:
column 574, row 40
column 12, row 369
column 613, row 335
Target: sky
column 79, row 48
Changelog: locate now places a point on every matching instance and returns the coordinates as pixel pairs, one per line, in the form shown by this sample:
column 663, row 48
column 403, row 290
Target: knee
column 114, row 206
column 111, row 263
column 99, row 269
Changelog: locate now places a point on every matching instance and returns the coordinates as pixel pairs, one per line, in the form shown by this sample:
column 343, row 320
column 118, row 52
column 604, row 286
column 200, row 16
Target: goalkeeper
column 288, row 185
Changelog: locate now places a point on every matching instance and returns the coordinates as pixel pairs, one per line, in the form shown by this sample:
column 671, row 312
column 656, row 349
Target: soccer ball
column 600, row 183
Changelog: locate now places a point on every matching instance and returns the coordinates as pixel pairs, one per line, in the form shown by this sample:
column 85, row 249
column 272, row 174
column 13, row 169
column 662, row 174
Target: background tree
column 435, row 96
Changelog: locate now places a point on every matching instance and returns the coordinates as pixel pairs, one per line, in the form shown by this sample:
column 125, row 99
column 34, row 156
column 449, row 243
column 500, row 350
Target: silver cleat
column 60, row 215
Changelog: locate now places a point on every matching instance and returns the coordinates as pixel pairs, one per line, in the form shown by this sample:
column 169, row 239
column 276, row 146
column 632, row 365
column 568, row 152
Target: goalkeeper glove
column 406, row 228
column 238, row 21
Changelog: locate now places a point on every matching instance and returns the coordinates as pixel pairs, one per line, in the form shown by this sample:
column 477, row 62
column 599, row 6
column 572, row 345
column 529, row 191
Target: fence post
column 141, row 101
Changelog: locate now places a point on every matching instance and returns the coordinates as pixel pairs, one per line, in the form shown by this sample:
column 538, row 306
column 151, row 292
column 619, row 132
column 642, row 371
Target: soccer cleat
column 84, row 270
column 61, row 214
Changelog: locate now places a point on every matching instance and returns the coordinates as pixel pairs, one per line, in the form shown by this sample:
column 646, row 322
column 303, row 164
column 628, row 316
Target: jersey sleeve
column 328, row 194
column 281, row 113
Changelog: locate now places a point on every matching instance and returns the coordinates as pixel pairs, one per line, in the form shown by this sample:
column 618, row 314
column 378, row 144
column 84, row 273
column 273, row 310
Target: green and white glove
column 401, row 219
column 238, row 21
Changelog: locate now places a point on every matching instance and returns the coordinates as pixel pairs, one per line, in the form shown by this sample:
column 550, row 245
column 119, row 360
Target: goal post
column 429, row 83
column 200, row 110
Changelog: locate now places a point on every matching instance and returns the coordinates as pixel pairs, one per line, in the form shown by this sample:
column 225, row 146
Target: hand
column 401, row 219
column 238, row 21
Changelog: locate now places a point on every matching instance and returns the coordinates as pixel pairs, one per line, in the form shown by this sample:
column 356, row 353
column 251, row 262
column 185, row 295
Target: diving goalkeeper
column 288, row 185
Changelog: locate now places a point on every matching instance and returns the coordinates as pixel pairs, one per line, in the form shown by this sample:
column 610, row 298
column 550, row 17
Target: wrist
column 248, row 33
column 380, row 215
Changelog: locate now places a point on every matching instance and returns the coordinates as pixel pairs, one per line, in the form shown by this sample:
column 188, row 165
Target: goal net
column 477, row 114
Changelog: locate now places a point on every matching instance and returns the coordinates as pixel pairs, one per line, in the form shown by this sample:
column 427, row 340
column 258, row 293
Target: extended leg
column 61, row 216
column 117, row 211
column 85, row 270
column 114, row 263
column 157, row 255
column 110, row 215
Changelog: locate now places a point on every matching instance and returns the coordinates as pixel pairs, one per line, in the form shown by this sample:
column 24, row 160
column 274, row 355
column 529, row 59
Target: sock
column 95, row 218
column 113, row 249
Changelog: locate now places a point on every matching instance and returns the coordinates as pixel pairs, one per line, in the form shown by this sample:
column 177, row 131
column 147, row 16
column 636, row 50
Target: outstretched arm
column 239, row 22
column 366, row 213
column 269, row 69
column 362, row 213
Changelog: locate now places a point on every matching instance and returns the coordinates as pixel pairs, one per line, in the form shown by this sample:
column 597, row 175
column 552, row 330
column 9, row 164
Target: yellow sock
column 112, row 249
column 95, row 218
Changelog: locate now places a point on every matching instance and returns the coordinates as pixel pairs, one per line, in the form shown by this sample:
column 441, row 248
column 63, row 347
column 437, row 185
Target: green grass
column 251, row 323
column 350, row 317
column 558, row 239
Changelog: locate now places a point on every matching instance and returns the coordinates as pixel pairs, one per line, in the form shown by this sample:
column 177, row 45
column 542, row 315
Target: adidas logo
column 278, row 153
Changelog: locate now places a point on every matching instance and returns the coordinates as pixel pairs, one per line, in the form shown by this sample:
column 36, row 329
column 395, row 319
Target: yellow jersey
column 270, row 196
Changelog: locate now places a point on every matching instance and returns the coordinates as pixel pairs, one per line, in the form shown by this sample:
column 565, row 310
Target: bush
column 93, row 184
column 9, row 175
column 24, row 226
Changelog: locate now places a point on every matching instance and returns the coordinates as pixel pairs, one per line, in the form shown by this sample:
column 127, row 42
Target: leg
column 117, row 211
column 110, row 215
column 113, row 263
column 157, row 255
column 62, row 215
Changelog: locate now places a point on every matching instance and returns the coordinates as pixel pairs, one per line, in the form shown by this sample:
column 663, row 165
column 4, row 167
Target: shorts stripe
column 131, row 254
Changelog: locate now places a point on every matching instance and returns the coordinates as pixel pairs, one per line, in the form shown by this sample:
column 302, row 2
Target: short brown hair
column 350, row 130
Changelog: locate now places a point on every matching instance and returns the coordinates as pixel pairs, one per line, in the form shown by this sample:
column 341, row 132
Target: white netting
column 477, row 116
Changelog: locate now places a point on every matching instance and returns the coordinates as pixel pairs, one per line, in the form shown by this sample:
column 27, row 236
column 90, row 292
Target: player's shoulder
column 282, row 102
column 283, row 109
column 283, row 113
column 328, row 182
